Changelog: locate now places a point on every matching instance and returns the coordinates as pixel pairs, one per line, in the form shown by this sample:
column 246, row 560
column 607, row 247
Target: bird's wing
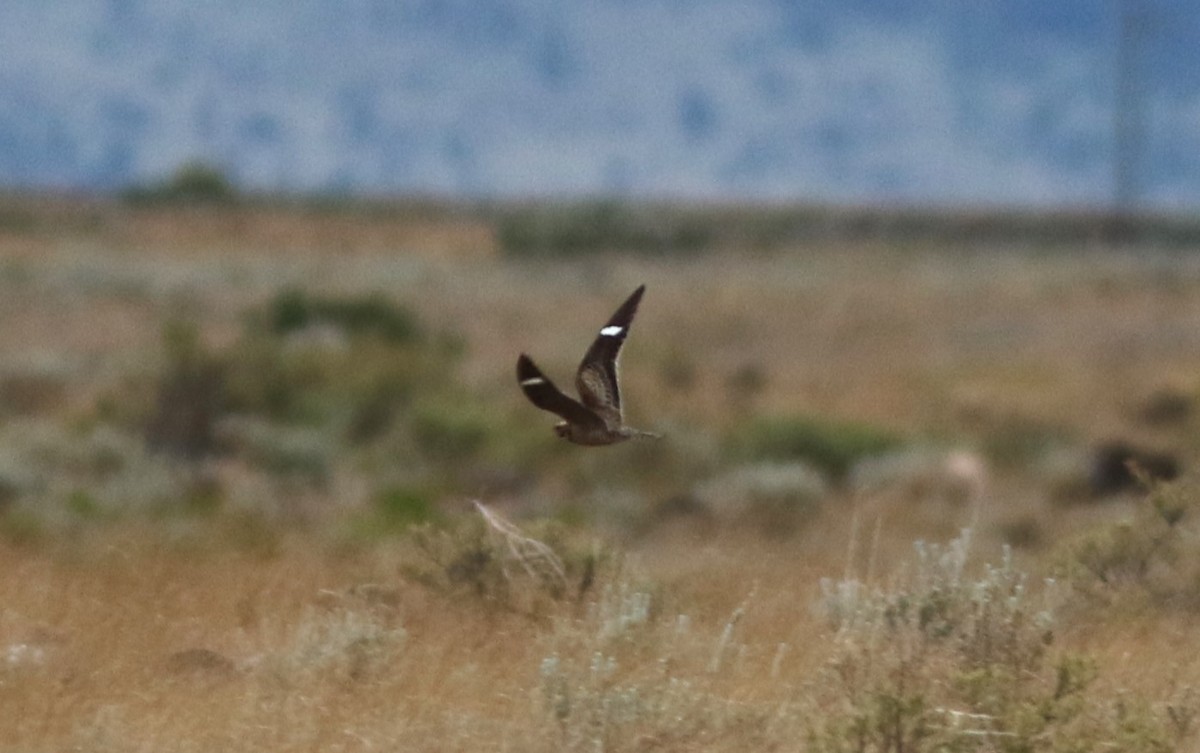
column 597, row 379
column 542, row 393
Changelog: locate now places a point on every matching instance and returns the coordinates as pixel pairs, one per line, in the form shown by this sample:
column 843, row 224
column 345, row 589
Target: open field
column 237, row 468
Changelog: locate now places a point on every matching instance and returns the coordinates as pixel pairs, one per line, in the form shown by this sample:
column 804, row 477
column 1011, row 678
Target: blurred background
column 915, row 272
column 279, row 258
column 1081, row 103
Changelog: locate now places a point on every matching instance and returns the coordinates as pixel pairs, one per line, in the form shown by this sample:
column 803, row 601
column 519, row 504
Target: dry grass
column 246, row 630
column 138, row 644
column 309, row 657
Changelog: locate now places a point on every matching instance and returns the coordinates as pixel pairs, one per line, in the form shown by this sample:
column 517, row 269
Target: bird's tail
column 639, row 434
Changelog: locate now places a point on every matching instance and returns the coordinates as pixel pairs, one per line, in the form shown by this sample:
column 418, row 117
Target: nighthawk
column 594, row 419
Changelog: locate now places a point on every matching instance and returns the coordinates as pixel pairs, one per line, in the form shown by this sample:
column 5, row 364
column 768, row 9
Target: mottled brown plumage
column 595, row 419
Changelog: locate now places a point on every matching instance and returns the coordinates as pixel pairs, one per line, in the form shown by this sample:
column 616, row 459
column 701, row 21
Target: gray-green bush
column 942, row 660
column 831, row 446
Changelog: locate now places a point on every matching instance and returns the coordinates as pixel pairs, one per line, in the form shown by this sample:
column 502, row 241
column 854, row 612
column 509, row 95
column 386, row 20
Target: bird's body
column 596, row 418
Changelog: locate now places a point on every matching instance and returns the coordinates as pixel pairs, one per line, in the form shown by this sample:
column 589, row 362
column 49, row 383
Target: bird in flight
column 596, row 418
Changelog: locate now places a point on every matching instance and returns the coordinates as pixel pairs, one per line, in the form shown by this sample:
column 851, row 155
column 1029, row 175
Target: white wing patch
column 612, row 331
column 532, row 381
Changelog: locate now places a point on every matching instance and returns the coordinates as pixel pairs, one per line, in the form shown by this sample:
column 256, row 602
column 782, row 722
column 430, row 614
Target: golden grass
column 106, row 625
column 127, row 641
column 178, row 635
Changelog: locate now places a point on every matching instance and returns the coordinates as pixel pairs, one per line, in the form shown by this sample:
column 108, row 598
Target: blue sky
column 928, row 102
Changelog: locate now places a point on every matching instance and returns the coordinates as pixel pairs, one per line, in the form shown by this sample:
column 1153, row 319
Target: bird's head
column 562, row 429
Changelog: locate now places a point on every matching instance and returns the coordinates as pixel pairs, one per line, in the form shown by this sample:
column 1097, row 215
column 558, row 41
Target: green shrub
column 263, row 378
column 82, row 504
column 939, row 660
column 402, row 506
column 590, row 227
column 745, row 384
column 349, row 644
column 504, row 566
column 193, row 181
column 356, row 382
column 295, row 453
column 372, row 314
column 775, row 497
column 290, row 310
column 17, row 478
column 830, row 446
column 1153, row 556
column 450, row 430
column 190, row 395
column 1016, row 442
column 624, row 676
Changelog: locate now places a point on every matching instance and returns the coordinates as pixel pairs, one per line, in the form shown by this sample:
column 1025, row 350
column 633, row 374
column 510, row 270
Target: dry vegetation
column 237, row 465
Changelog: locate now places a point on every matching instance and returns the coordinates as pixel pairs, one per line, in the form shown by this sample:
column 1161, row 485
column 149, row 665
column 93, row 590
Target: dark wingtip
column 634, row 298
column 525, row 368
